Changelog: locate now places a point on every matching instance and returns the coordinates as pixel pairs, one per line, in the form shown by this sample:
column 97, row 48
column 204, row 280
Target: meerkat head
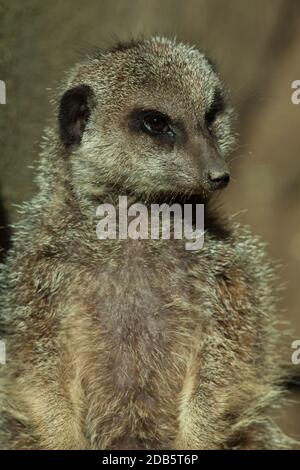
column 146, row 117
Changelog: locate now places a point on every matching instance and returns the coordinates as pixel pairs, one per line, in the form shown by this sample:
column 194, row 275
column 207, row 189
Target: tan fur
column 135, row 344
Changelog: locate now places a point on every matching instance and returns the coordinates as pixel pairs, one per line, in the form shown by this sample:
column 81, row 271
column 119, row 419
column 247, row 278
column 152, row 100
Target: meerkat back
column 138, row 343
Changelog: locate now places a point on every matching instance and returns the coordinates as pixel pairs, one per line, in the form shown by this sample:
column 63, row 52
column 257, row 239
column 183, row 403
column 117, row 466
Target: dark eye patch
column 217, row 107
column 152, row 122
column 156, row 123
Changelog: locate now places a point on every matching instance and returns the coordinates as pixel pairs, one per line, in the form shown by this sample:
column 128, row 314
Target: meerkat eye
column 156, row 123
column 216, row 108
column 152, row 122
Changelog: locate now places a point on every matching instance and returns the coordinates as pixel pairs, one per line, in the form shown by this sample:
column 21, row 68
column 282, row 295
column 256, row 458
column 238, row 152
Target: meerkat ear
column 74, row 111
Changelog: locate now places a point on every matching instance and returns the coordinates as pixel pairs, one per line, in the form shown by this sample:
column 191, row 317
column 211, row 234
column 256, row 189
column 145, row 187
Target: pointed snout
column 218, row 179
column 211, row 164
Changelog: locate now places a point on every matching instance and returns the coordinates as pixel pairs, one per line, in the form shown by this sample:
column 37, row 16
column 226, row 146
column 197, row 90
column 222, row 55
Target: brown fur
column 135, row 344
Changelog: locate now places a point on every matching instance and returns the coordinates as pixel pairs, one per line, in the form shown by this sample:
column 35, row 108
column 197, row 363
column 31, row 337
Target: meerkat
column 136, row 344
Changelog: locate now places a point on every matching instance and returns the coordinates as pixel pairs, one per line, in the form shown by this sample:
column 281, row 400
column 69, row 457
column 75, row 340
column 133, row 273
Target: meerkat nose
column 218, row 179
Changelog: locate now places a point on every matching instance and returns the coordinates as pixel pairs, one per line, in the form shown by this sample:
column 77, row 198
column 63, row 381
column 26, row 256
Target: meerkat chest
column 140, row 300
column 137, row 338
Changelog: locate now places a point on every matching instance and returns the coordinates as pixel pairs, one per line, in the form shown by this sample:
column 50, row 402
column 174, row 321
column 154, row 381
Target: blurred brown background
column 256, row 45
